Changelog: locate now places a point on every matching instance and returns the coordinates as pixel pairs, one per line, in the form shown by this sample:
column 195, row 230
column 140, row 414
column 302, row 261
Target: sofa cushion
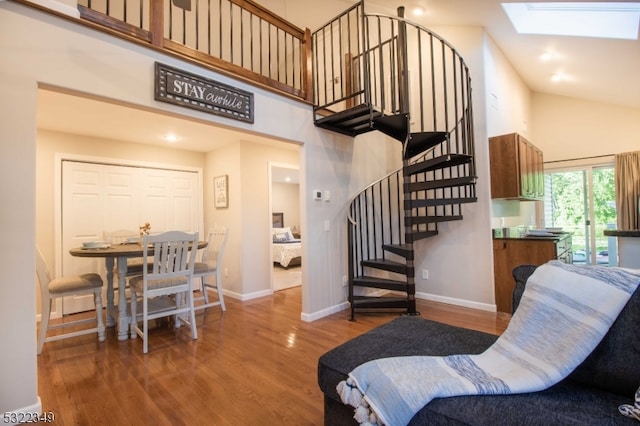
column 567, row 403
column 404, row 336
column 613, row 365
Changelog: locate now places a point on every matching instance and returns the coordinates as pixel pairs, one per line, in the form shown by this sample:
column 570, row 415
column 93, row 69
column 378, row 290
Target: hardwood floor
column 254, row 364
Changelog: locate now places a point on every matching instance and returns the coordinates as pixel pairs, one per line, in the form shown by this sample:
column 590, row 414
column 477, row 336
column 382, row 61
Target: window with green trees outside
column 582, row 202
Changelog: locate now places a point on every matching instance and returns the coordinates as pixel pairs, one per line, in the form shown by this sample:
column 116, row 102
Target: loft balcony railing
column 236, row 37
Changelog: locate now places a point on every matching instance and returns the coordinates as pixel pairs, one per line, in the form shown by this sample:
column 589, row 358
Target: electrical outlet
column 425, row 274
column 344, row 281
column 226, row 272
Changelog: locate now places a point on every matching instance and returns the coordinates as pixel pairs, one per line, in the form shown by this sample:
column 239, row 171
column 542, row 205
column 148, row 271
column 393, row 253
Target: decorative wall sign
column 221, row 191
column 189, row 90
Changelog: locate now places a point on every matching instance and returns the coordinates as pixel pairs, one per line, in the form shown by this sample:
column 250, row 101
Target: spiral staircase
column 383, row 73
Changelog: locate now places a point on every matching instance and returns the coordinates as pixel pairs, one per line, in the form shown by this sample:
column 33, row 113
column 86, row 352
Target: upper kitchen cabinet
column 516, row 168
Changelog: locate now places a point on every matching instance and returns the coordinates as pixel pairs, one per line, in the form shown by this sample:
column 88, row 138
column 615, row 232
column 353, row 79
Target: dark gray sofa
column 591, row 395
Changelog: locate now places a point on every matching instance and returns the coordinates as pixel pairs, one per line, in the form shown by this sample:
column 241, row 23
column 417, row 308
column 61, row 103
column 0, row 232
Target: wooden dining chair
column 174, row 254
column 72, row 285
column 211, row 265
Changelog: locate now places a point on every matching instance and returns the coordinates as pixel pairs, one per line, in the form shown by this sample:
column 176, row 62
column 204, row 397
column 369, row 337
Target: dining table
column 117, row 255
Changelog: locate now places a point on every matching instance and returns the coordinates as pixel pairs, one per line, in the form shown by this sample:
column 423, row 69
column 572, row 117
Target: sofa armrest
column 612, row 366
column 520, row 274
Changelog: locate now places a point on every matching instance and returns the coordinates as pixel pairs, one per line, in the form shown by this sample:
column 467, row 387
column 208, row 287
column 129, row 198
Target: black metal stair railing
column 379, row 72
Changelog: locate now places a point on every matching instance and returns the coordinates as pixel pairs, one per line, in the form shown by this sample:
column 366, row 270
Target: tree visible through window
column 570, row 204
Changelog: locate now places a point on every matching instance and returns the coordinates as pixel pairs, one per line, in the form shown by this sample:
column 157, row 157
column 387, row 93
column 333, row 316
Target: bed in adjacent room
column 287, row 250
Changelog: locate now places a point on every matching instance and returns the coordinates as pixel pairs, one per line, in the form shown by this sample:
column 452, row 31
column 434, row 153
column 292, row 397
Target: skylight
column 602, row 20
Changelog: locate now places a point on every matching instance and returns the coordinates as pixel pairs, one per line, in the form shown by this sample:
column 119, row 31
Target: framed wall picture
column 277, row 220
column 221, row 191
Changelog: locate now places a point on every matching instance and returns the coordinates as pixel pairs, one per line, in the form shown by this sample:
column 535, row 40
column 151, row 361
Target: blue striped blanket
column 564, row 313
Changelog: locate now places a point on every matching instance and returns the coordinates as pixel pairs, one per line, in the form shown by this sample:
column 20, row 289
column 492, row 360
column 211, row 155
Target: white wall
column 248, row 218
column 285, row 198
column 567, row 128
column 508, row 111
column 466, row 242
column 18, row 388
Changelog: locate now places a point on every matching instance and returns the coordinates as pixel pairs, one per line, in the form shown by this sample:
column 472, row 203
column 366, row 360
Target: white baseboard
column 244, row 297
column 457, row 302
column 425, row 296
column 25, row 413
column 324, row 313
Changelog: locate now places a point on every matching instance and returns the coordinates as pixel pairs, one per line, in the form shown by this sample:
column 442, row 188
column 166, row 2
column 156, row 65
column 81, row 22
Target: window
column 582, row 201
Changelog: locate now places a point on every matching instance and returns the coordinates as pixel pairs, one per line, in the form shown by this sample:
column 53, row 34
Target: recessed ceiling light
column 581, row 19
column 559, row 76
column 547, row 56
column 418, row 11
column 170, row 137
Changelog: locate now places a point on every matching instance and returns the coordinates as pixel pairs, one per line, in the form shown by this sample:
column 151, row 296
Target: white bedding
column 285, row 247
column 284, row 253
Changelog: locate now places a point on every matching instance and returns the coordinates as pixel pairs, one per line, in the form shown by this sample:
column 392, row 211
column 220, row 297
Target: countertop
column 621, row 233
column 536, row 238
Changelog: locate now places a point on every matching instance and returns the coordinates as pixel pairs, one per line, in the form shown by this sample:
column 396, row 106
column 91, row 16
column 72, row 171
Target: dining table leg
column 110, row 306
column 123, row 315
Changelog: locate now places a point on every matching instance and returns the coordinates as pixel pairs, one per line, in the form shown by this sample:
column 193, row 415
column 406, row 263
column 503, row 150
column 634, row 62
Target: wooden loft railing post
column 156, row 22
column 307, row 67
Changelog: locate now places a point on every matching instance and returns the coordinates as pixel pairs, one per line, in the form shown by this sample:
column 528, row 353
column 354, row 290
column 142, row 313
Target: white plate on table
column 89, row 245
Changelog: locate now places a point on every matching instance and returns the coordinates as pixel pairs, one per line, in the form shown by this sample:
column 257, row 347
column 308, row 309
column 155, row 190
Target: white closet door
column 101, row 197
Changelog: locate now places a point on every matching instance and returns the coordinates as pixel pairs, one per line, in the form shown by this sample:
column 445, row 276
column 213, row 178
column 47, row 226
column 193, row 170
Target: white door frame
column 587, row 168
column 272, row 165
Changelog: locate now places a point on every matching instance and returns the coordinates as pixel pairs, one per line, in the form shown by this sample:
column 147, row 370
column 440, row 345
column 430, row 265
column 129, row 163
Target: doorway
column 581, row 200
column 284, row 207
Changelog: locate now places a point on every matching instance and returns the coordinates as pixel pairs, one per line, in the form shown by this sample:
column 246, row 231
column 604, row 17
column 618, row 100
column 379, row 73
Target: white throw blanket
column 564, row 313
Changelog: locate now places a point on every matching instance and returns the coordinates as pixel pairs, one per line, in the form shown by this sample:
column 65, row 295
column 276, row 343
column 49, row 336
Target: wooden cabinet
column 511, row 252
column 516, row 168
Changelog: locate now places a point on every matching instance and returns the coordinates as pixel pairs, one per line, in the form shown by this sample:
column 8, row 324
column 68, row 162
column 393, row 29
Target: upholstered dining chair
column 211, row 265
column 174, row 254
column 72, row 285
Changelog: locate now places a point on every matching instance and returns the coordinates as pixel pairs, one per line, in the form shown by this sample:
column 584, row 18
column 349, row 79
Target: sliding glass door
column 582, row 201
